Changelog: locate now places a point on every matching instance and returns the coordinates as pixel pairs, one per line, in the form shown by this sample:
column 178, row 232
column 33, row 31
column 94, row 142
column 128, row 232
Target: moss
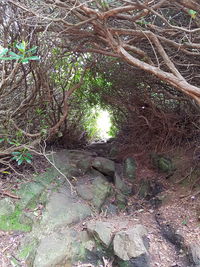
column 12, row 222
column 26, row 251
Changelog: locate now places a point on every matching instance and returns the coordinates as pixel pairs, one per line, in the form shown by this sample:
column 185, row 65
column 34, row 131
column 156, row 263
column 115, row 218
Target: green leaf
column 3, row 51
column 25, row 60
column 7, row 58
column 19, row 162
column 1, row 140
column 192, row 13
column 28, row 155
column 16, row 153
column 28, row 160
column 33, row 49
column 21, row 47
column 14, row 55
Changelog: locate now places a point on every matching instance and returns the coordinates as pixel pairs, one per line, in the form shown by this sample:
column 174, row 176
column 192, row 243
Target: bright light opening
column 104, row 124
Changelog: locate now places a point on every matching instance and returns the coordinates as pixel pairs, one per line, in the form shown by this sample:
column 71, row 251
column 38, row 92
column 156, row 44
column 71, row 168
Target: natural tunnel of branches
column 138, row 59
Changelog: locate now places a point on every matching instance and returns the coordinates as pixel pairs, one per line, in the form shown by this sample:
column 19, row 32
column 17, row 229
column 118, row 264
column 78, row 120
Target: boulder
column 101, row 230
column 101, row 190
column 121, row 201
column 85, row 191
column 84, row 164
column 53, row 249
column 130, row 244
column 63, row 209
column 29, row 194
column 162, row 163
column 148, row 189
column 130, row 168
column 119, row 181
column 103, row 165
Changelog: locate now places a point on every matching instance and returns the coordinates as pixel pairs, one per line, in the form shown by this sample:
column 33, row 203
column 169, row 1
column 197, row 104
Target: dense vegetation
column 61, row 59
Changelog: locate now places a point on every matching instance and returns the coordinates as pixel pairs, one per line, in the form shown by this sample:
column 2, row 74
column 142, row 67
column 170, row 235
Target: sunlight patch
column 104, row 124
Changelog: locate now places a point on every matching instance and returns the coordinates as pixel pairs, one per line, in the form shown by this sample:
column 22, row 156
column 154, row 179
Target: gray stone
column 129, row 244
column 53, row 249
column 101, row 230
column 119, row 182
column 6, row 206
column 85, row 191
column 105, row 166
column 84, row 164
column 162, row 163
column 130, row 168
column 65, row 161
column 144, row 188
column 194, row 254
column 114, row 150
column 63, row 209
column 101, row 190
column 49, row 176
column 121, row 201
column 30, row 193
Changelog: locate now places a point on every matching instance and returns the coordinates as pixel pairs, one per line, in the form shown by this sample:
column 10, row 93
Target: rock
column 6, row 206
column 130, row 244
column 29, row 194
column 130, row 168
column 162, row 163
column 84, row 164
column 194, row 254
column 148, row 189
column 65, row 161
column 102, row 230
column 85, row 191
column 103, row 165
column 63, row 209
column 114, row 150
column 121, row 201
column 101, row 190
column 144, row 188
column 119, row 182
column 109, row 208
column 53, row 249
column 48, row 177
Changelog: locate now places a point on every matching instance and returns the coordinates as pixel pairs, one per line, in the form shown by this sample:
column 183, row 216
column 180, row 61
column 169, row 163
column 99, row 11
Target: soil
column 180, row 209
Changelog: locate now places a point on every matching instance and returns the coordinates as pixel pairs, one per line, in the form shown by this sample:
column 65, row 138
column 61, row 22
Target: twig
column 53, row 164
column 6, row 193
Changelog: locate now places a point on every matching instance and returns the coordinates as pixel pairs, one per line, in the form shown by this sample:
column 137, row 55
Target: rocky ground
column 92, row 209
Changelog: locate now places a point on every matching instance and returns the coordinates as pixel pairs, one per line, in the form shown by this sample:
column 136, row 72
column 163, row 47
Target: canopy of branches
column 83, row 47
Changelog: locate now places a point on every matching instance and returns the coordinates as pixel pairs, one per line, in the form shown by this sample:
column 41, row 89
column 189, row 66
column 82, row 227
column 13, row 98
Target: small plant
column 22, row 156
column 23, row 55
column 192, row 13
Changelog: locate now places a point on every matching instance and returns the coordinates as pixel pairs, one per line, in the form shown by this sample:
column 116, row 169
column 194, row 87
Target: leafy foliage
column 23, row 55
column 22, row 156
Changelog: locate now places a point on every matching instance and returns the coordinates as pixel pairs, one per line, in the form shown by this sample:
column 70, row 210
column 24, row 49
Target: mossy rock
column 28, row 249
column 12, row 222
column 30, row 193
column 162, row 163
column 101, row 190
column 121, row 201
column 6, row 206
